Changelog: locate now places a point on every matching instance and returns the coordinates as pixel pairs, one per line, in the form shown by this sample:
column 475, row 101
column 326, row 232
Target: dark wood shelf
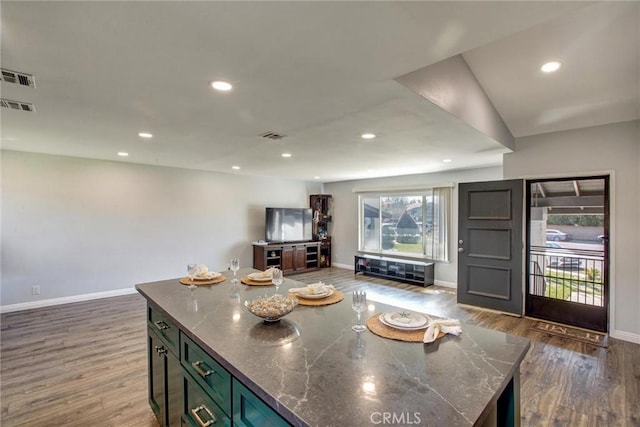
column 322, row 205
column 403, row 270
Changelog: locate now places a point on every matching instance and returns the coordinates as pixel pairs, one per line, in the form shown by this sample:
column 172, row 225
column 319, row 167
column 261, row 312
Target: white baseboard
column 625, row 336
column 65, row 300
column 446, row 284
column 346, row 266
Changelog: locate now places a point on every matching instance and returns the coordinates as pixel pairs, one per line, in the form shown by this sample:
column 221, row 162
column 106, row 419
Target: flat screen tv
column 288, row 224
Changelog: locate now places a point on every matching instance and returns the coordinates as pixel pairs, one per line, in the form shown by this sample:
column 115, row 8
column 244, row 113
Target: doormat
column 589, row 337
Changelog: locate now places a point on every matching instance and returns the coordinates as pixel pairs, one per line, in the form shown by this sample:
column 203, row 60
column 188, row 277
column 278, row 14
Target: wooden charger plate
column 187, row 281
column 335, row 297
column 377, row 327
column 247, row 281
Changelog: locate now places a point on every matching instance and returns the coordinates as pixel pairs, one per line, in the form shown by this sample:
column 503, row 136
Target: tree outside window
column 412, row 225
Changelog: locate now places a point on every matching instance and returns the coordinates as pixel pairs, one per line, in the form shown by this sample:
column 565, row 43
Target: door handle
column 460, row 250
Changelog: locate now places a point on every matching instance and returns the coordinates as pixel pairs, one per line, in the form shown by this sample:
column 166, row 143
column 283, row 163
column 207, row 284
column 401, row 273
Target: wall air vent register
column 17, row 105
column 22, row 79
column 272, row 135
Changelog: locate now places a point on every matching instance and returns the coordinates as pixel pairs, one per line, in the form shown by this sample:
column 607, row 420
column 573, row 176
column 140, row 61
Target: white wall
column 345, row 216
column 611, row 148
column 76, row 226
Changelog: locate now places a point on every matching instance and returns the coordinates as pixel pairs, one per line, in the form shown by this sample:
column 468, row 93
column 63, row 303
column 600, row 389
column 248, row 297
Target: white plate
column 210, row 275
column 259, row 277
column 315, row 296
column 418, row 328
column 405, row 319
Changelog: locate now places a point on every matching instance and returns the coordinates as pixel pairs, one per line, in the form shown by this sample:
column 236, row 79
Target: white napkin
column 202, row 272
column 263, row 274
column 312, row 289
column 448, row 326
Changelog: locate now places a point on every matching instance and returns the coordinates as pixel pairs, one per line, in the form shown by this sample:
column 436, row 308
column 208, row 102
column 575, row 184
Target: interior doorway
column 568, row 251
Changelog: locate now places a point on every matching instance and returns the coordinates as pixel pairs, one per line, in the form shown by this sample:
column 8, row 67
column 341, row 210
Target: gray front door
column 490, row 230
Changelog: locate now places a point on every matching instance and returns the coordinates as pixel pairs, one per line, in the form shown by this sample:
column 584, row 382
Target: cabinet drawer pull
column 161, row 325
column 196, row 414
column 198, row 367
column 161, row 350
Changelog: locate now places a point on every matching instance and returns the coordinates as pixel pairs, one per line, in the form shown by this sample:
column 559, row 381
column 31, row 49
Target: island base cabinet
column 250, row 411
column 199, row 409
column 207, row 373
column 165, row 372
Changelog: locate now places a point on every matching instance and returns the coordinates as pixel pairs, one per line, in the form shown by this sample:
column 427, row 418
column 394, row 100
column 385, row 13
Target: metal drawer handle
column 198, row 367
column 160, row 324
column 196, row 411
column 161, row 351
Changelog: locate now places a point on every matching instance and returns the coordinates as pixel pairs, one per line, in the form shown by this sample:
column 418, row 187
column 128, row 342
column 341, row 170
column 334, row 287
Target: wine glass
column 192, row 269
column 235, row 266
column 359, row 304
column 276, row 278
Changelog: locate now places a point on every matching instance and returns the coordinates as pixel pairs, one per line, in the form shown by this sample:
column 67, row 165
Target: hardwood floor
column 85, row 363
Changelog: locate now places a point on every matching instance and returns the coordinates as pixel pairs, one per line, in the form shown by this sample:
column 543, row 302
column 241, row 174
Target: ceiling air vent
column 17, row 105
column 273, row 135
column 21, row 79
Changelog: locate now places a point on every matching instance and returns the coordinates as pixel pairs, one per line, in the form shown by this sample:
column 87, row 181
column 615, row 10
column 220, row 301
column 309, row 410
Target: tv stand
column 291, row 258
column 403, row 270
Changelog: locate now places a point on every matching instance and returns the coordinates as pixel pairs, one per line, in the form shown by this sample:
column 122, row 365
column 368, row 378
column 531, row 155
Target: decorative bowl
column 272, row 308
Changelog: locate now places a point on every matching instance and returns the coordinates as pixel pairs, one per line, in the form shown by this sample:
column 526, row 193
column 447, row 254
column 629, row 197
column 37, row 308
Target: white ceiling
column 321, row 73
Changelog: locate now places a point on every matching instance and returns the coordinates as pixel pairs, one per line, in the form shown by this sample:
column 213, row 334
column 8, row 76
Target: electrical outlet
column 35, row 290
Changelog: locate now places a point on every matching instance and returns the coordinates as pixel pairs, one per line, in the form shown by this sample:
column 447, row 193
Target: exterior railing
column 575, row 275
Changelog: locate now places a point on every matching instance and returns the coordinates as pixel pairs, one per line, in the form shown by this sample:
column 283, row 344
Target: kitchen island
column 311, row 369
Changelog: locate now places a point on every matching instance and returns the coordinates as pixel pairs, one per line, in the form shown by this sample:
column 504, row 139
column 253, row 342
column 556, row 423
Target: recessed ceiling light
column 145, row 135
column 316, row 177
column 235, row 167
column 550, row 67
column 286, row 154
column 122, row 154
column 368, row 135
column 220, row 85
column 446, row 161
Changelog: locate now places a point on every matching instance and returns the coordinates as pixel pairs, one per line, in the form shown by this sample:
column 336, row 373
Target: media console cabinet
column 288, row 257
column 416, row 272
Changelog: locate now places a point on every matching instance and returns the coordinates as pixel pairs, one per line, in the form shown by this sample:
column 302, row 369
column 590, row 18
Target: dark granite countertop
column 314, row 370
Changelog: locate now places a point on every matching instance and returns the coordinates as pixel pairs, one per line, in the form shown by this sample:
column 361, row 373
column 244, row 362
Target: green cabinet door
column 157, row 395
column 250, row 411
column 165, row 373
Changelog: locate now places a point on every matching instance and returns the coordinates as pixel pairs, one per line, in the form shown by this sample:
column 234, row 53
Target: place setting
column 199, row 275
column 409, row 326
column 260, row 278
column 317, row 294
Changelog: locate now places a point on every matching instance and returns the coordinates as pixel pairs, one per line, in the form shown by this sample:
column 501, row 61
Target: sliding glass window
column 409, row 224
